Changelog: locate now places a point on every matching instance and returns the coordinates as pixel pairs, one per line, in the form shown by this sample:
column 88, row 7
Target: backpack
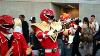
column 87, row 35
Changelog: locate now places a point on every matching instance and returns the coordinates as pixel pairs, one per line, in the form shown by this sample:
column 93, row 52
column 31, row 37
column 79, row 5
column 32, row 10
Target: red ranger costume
column 11, row 43
column 47, row 32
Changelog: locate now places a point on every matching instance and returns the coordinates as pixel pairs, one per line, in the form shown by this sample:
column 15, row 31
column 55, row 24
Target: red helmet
column 6, row 23
column 47, row 14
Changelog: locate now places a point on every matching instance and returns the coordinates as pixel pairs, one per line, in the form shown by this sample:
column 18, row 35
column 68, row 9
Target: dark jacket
column 77, row 36
column 25, row 30
column 97, row 35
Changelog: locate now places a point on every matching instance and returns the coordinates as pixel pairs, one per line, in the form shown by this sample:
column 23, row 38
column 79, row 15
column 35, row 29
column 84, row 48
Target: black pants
column 95, row 49
column 75, row 49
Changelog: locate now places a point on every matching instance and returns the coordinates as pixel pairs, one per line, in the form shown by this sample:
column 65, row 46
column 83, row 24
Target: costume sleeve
column 23, row 43
column 40, row 34
column 0, row 46
column 97, row 26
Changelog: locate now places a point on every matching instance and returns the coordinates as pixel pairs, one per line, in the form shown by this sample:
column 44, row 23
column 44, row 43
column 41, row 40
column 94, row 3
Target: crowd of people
column 50, row 37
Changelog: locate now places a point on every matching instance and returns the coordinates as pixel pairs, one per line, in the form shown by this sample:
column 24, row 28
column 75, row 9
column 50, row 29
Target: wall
column 61, row 1
column 38, row 7
column 57, row 10
column 17, row 8
column 86, row 10
column 29, row 9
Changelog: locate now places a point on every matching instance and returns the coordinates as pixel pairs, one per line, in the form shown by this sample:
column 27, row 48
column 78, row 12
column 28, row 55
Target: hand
column 29, row 50
column 9, row 52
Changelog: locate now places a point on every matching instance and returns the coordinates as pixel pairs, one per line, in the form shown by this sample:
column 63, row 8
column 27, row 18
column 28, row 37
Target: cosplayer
column 68, row 27
column 71, row 32
column 76, row 37
column 65, row 20
column 47, row 32
column 12, row 43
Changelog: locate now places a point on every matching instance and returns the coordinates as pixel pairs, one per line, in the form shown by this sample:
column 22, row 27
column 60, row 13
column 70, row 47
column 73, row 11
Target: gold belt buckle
column 54, row 50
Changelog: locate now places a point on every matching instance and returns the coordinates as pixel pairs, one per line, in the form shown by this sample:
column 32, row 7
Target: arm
column 40, row 34
column 97, row 26
column 26, row 49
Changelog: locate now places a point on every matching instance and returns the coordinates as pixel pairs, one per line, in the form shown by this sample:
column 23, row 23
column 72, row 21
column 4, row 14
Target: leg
column 96, row 49
column 73, row 51
column 77, row 50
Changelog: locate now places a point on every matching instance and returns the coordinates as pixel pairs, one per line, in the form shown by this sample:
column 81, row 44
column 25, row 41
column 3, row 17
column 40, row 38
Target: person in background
column 33, row 39
column 97, row 46
column 12, row 43
column 76, row 39
column 25, row 27
column 87, row 37
column 94, row 24
column 32, row 20
column 17, row 25
column 63, row 37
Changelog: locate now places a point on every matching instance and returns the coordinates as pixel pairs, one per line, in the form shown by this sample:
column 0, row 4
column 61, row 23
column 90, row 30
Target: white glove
column 59, row 28
column 68, row 20
column 50, row 32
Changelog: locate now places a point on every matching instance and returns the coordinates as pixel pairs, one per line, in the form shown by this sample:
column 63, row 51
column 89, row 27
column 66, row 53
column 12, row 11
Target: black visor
column 50, row 17
column 8, row 26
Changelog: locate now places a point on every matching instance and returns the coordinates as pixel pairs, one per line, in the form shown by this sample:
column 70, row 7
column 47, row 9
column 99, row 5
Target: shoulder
column 35, row 25
column 96, row 23
column 17, row 35
column 25, row 22
column 2, row 38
